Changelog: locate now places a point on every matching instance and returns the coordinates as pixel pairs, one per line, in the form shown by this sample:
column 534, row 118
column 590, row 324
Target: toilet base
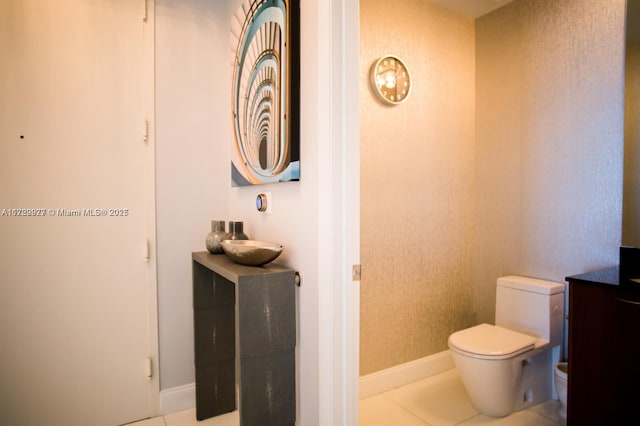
column 536, row 383
column 562, row 412
column 560, row 380
column 526, row 381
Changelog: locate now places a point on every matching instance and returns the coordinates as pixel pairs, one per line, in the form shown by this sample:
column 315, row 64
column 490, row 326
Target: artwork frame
column 265, row 92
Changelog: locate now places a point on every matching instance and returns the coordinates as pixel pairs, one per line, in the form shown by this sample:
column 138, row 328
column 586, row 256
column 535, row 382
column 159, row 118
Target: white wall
column 313, row 218
column 294, row 223
column 192, row 166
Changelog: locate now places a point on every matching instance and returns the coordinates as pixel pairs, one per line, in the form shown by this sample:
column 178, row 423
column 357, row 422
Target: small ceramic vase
column 216, row 236
column 235, row 229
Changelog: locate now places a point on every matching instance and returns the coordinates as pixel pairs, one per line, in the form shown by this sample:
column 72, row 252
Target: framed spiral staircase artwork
column 265, row 36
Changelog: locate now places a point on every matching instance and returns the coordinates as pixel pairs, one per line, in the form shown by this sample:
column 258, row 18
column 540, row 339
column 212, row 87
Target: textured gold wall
column 417, row 184
column 549, row 141
column 631, row 196
column 507, row 158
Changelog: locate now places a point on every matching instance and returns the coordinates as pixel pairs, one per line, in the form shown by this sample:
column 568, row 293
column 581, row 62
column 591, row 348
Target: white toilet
column 509, row 366
column 561, row 372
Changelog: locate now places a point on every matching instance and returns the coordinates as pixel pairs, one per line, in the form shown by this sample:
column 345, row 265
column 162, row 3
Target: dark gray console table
column 245, row 338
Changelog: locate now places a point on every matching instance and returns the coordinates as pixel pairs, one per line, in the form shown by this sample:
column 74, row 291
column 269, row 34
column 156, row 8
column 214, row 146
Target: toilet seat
column 491, row 342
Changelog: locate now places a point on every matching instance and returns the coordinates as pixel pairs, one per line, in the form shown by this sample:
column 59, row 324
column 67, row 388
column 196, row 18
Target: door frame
column 148, row 127
column 339, row 201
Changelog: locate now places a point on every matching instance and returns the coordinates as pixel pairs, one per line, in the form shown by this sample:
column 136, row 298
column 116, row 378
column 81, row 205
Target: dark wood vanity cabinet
column 604, row 350
column 245, row 338
column 628, row 363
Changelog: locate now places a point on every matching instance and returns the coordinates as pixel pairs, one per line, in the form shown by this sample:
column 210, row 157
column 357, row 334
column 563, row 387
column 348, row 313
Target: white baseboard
column 400, row 375
column 184, row 397
column 177, row 399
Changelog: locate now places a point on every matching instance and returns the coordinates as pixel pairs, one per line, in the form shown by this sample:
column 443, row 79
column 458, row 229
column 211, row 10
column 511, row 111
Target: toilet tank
column 531, row 306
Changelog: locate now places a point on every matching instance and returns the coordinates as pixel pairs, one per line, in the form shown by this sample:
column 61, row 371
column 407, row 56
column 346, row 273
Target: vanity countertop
column 223, row 265
column 608, row 277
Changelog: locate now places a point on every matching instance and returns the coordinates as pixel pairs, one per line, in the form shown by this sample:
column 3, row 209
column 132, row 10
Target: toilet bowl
column 560, row 380
column 508, row 366
column 490, row 362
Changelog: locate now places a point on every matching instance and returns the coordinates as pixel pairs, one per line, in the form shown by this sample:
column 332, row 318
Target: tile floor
column 439, row 400
column 188, row 418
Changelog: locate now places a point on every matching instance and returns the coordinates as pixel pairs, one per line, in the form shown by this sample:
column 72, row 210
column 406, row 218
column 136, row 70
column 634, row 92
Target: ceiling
column 473, row 8
column 477, row 8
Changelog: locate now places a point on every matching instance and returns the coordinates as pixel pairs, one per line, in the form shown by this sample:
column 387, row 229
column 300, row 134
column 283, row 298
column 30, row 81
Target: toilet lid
column 490, row 341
